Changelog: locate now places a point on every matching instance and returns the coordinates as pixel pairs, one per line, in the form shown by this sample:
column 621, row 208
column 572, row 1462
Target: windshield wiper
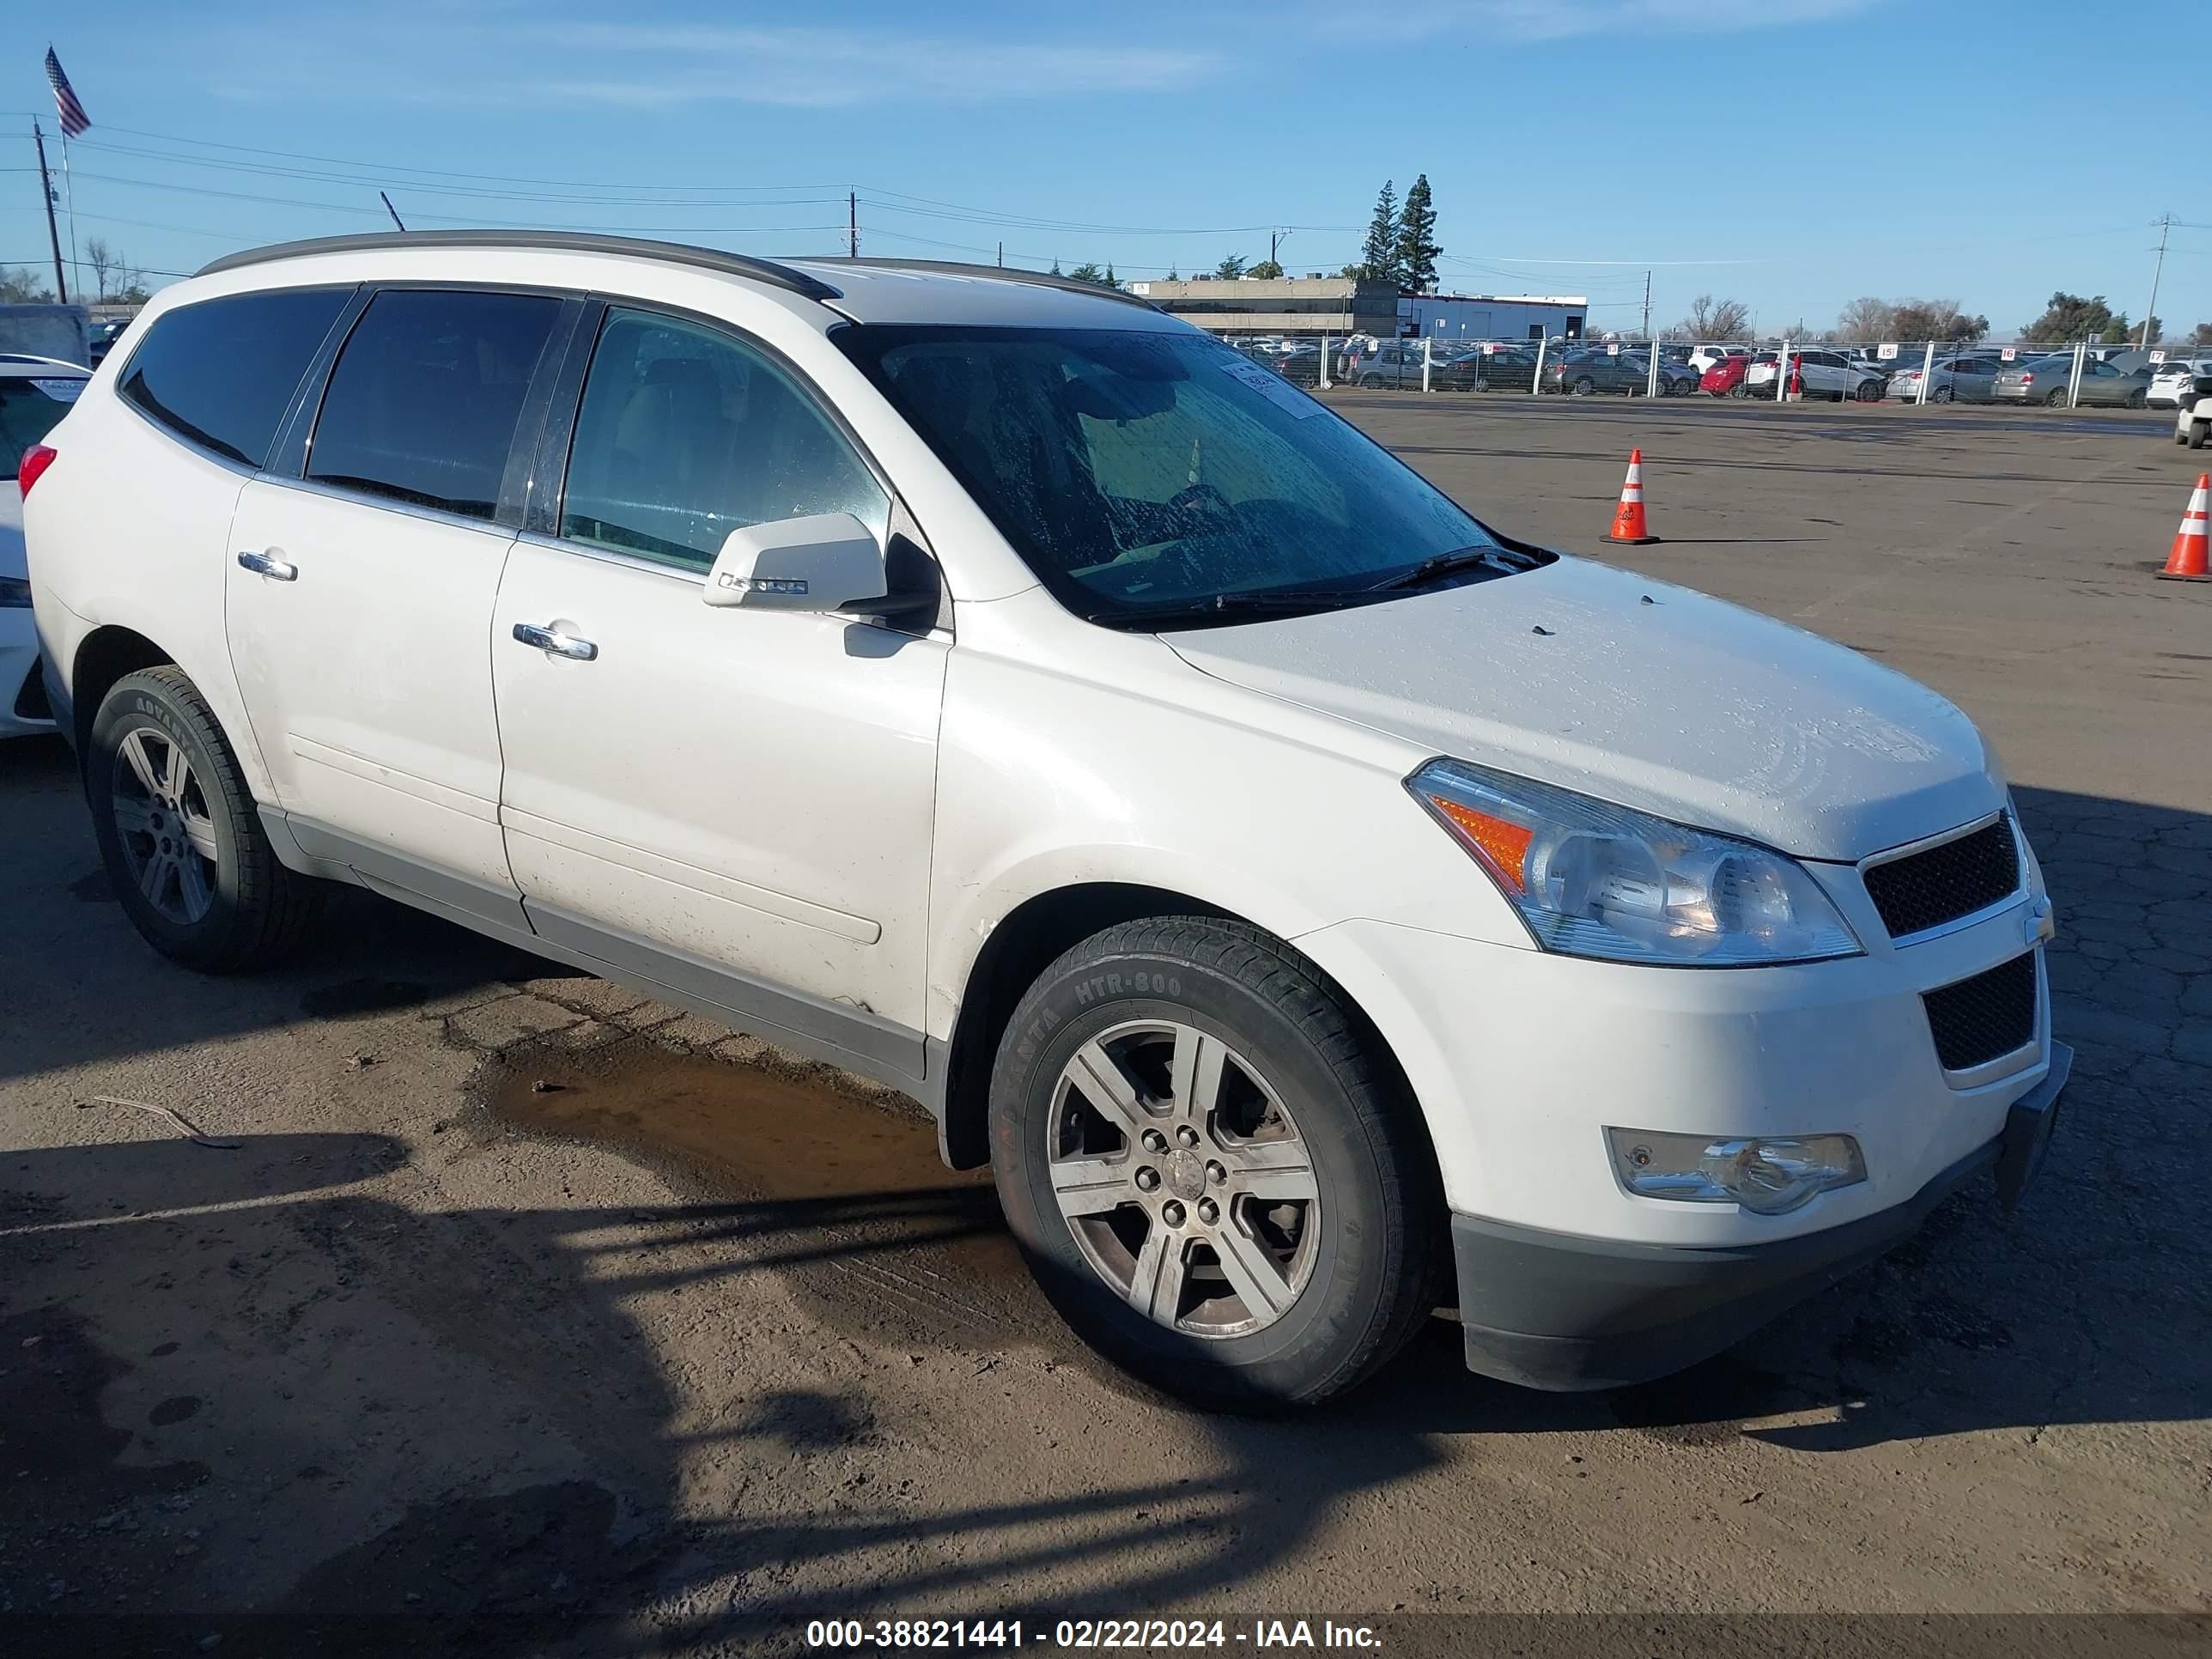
column 1502, row 560
column 1219, row 606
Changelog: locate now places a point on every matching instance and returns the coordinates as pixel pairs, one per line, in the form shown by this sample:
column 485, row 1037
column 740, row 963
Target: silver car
column 2047, row 379
column 1953, row 379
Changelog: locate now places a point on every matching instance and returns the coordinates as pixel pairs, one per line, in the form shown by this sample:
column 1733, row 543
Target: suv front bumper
column 1550, row 1311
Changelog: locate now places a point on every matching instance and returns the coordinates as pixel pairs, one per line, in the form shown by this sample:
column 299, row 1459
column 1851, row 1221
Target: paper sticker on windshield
column 61, row 392
column 1273, row 387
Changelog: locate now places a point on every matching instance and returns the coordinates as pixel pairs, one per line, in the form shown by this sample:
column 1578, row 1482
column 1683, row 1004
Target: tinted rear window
column 422, row 404
column 221, row 373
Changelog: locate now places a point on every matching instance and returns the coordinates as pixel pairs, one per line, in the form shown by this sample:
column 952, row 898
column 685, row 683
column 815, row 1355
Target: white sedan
column 35, row 393
column 2175, row 383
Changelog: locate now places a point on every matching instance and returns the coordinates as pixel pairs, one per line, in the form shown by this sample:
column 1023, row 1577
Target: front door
column 359, row 596
column 735, row 803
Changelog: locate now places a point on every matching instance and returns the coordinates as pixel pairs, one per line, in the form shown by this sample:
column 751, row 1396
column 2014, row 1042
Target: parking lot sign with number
column 2158, row 356
column 2008, row 355
column 1886, row 351
column 1613, row 348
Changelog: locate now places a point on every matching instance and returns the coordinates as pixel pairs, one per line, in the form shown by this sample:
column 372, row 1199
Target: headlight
column 1770, row 1175
column 15, row 593
column 1593, row 879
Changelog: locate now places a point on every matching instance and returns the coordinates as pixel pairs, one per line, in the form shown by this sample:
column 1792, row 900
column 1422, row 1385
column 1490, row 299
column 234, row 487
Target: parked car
column 1395, row 364
column 1953, row 379
column 896, row 663
column 1826, row 373
column 1725, row 379
column 101, row 336
column 1705, row 358
column 2193, row 424
column 1300, row 363
column 35, row 393
column 2048, row 380
column 2175, row 383
column 1580, row 374
column 1494, row 367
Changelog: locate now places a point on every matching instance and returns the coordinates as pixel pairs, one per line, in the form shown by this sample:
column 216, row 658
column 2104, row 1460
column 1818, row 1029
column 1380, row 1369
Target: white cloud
column 1559, row 19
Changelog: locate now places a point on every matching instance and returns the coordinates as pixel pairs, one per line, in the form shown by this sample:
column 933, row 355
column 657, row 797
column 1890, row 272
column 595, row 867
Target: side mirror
column 825, row 561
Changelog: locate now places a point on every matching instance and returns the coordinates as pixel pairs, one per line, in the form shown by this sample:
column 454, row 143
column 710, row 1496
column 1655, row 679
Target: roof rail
column 1004, row 273
column 735, row 264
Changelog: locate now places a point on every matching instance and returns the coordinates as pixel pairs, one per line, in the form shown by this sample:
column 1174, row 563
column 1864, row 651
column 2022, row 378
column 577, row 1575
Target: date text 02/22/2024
column 1083, row 1635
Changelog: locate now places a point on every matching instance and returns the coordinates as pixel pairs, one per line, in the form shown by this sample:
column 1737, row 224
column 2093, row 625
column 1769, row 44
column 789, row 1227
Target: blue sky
column 1793, row 154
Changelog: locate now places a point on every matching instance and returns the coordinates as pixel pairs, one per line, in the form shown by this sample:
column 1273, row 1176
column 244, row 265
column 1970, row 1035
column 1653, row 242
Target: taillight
column 36, row 459
column 2027, row 379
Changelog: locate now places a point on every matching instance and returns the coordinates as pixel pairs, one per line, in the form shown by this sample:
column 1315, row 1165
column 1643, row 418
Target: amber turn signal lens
column 1503, row 846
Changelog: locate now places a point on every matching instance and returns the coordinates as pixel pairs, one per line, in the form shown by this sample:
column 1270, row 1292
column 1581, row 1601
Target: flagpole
column 68, row 199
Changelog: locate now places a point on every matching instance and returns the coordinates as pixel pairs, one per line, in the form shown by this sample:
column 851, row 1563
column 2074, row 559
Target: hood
column 1636, row 692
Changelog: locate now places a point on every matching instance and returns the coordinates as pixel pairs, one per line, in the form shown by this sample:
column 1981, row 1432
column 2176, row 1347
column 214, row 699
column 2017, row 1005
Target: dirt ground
column 386, row 1348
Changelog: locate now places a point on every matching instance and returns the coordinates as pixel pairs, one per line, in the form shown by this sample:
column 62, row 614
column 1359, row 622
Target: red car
column 1725, row 378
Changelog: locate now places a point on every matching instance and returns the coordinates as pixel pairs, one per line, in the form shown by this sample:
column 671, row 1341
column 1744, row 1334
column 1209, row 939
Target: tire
column 1583, row 387
column 1870, row 391
column 2199, row 432
column 2054, row 399
column 183, row 843
column 1339, row 1266
column 1942, row 394
column 2138, row 399
column 1739, row 390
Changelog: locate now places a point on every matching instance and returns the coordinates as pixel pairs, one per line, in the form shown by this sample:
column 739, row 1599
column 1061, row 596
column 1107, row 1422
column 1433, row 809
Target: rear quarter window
column 222, row 373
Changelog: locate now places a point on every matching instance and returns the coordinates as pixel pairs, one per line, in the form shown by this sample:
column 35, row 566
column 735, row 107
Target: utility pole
column 1002, row 253
column 46, row 194
column 852, row 224
column 1647, row 310
column 2165, row 224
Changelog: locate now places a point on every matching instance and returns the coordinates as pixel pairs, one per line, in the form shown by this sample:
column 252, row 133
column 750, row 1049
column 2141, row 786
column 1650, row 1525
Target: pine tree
column 1416, row 248
column 1173, row 276
column 1112, row 281
column 1378, row 258
column 1055, row 268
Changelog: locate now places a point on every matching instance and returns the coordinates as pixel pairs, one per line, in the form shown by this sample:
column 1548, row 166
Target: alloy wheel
column 162, row 820
column 1183, row 1179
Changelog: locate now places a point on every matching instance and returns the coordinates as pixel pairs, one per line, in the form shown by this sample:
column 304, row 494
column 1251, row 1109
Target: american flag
column 73, row 119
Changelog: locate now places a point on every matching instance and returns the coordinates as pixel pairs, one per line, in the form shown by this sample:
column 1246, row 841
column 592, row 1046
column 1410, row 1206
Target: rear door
column 736, row 803
column 361, row 587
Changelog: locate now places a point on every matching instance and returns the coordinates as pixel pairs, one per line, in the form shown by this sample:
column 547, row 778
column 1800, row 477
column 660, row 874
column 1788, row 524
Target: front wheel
column 1213, row 1169
column 2199, row 432
column 1870, row 391
column 178, row 830
column 2138, row 399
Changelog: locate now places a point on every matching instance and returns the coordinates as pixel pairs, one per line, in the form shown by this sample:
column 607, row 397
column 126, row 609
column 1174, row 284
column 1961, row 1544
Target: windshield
column 30, row 409
column 1149, row 474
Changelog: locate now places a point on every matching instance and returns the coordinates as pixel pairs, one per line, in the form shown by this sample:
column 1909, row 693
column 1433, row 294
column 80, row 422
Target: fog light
column 1769, row 1175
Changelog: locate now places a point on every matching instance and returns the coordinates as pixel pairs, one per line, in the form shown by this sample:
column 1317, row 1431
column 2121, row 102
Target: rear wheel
column 1583, row 387
column 2054, row 399
column 183, row 843
column 1215, row 1174
column 2198, row 431
column 1370, row 381
column 1942, row 394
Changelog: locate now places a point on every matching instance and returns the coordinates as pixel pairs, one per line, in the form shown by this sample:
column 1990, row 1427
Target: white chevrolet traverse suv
column 1315, row 904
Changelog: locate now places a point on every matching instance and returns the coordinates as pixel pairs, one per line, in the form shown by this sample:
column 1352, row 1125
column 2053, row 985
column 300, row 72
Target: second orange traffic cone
column 2190, row 561
column 1629, row 524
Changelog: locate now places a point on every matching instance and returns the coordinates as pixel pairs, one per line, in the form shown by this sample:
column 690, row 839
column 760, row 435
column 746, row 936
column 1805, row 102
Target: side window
column 222, row 372
column 422, row 404
column 685, row 434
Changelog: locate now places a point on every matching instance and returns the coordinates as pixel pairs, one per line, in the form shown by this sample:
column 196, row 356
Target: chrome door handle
column 554, row 643
column 268, row 564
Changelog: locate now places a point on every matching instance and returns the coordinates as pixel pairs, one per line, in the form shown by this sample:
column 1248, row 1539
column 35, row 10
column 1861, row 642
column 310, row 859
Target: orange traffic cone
column 1628, row 522
column 2189, row 561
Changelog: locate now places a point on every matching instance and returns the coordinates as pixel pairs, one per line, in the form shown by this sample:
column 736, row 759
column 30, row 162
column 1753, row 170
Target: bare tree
column 1716, row 319
column 104, row 261
column 22, row 287
column 1867, row 318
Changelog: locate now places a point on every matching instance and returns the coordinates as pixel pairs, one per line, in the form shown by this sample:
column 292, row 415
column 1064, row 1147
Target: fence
column 2061, row 374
